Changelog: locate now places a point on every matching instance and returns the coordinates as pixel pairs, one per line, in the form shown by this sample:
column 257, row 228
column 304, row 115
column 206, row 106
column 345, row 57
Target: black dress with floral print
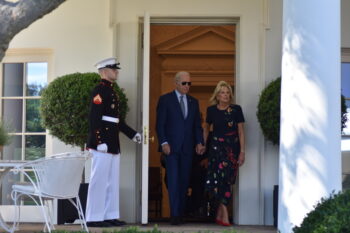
column 223, row 151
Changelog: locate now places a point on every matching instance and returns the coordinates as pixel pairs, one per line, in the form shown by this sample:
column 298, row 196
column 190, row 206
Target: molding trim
column 28, row 55
column 194, row 20
column 28, row 51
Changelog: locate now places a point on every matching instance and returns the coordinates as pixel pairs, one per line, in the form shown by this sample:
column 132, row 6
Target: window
column 345, row 90
column 22, row 84
column 22, row 79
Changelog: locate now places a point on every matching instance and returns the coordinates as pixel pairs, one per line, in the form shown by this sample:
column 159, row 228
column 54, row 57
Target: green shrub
column 269, row 109
column 331, row 215
column 65, row 104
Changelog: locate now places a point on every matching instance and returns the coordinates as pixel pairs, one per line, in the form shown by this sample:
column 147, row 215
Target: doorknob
column 145, row 135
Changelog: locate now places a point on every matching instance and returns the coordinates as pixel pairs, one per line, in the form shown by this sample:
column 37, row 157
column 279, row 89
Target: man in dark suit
column 179, row 134
column 102, row 208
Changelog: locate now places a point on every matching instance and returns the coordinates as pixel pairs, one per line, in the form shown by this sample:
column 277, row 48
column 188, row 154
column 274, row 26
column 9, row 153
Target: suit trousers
column 103, row 194
column 178, row 168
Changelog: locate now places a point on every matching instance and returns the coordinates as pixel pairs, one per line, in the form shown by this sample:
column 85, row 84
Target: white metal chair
column 55, row 177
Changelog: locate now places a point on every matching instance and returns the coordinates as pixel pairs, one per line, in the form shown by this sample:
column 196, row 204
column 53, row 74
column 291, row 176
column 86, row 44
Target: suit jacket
column 104, row 102
column 181, row 134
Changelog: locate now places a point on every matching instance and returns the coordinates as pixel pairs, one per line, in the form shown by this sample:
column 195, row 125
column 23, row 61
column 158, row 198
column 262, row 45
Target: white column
column 310, row 162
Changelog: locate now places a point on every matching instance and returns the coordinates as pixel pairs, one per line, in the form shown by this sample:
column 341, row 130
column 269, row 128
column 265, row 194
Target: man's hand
column 200, row 149
column 166, row 149
column 137, row 138
column 102, row 147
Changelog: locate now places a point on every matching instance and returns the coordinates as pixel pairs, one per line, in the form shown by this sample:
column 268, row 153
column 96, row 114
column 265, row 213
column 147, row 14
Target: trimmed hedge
column 269, row 110
column 65, row 104
column 331, row 215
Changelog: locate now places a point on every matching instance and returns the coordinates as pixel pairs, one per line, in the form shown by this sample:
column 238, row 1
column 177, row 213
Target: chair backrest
column 60, row 175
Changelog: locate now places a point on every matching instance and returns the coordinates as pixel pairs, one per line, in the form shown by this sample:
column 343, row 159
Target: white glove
column 137, row 138
column 102, row 147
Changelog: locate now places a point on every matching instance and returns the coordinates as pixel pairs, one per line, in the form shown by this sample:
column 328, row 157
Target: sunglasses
column 184, row 83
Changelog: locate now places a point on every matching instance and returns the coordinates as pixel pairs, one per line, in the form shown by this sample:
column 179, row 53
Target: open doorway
column 207, row 52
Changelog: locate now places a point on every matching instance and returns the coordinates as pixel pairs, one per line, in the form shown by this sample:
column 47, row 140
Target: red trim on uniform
column 97, row 99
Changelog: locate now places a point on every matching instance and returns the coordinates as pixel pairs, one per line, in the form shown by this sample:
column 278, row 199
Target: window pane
column 36, row 78
column 13, row 79
column 33, row 116
column 35, row 147
column 14, row 150
column 12, row 114
column 345, row 79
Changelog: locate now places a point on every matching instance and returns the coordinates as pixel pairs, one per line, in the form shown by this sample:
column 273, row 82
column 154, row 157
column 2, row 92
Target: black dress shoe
column 99, row 224
column 115, row 222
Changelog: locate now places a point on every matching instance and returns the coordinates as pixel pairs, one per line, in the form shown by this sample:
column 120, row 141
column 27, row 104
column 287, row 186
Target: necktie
column 182, row 105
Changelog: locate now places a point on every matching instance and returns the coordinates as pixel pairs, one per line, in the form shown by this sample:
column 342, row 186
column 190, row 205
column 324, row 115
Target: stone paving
column 165, row 227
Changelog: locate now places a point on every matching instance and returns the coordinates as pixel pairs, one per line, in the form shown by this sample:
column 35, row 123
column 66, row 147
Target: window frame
column 345, row 58
column 27, row 56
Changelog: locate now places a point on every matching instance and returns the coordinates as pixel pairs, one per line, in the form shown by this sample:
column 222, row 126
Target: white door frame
column 145, row 51
column 145, row 117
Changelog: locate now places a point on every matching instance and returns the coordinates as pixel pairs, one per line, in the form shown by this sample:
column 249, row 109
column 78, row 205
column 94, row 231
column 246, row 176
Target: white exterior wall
column 270, row 155
column 80, row 32
column 270, row 152
column 310, row 158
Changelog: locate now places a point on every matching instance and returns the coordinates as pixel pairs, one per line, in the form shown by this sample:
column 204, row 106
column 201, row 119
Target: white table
column 6, row 166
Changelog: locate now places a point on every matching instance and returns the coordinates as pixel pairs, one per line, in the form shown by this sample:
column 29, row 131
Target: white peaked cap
column 108, row 63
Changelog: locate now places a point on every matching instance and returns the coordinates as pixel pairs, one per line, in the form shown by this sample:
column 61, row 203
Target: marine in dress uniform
column 102, row 208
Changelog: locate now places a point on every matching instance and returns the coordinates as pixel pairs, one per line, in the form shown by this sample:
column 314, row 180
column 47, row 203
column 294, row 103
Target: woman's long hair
column 213, row 100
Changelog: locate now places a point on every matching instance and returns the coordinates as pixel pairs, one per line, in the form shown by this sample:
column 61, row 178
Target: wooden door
column 206, row 52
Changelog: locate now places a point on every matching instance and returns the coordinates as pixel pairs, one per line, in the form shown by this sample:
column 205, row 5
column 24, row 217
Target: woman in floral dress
column 226, row 149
